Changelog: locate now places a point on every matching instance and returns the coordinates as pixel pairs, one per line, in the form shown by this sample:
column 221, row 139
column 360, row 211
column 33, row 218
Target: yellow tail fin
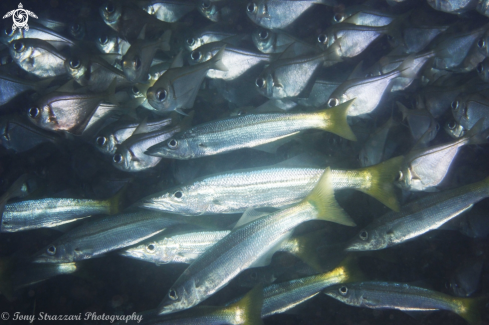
column 115, row 202
column 382, row 177
column 250, row 306
column 323, row 200
column 470, row 309
column 336, row 122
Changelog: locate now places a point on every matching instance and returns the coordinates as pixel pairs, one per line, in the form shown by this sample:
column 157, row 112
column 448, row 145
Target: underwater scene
column 244, row 162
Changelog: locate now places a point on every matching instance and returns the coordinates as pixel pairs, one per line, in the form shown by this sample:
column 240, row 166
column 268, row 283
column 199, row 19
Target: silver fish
column 209, row 34
column 469, row 109
column 453, row 6
column 12, row 86
column 37, row 31
column 404, row 297
column 320, row 93
column 454, row 129
column 363, row 16
column 420, row 122
column 270, row 41
column 414, row 38
column 274, row 186
column 246, row 245
column 103, row 235
column 418, row 217
column 250, row 131
column 112, row 43
column 276, row 14
column 168, row 10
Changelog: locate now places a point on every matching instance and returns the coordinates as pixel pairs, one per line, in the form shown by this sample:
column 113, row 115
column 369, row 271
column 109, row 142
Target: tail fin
column 323, row 200
column 477, row 134
column 470, row 309
column 250, row 306
column 305, row 248
column 164, row 41
column 216, row 61
column 382, row 177
column 348, row 270
column 336, row 122
column 115, row 202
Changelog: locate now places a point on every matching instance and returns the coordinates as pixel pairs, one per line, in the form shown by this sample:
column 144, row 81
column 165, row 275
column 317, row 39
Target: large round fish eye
column 150, row 248
column 196, row 55
column 481, row 43
column 33, row 112
column 110, row 8
column 322, row 38
column 251, row 7
column 172, row 294
column 118, row 158
column 363, row 235
column 172, row 144
column 103, row 39
column 455, row 104
column 137, row 63
column 190, row 41
column 135, row 90
column 18, row 47
column 480, row 68
column 263, row 34
column 101, row 141
column 161, row 95
column 452, row 124
column 343, row 290
column 338, row 17
column 51, row 250
column 75, row 63
column 260, row 83
column 332, row 102
column 178, row 194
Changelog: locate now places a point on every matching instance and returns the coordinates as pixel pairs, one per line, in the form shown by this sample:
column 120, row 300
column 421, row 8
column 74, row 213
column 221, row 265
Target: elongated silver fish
column 236, row 191
column 103, row 235
column 250, row 131
column 51, row 212
column 403, row 297
column 247, row 245
column 418, row 217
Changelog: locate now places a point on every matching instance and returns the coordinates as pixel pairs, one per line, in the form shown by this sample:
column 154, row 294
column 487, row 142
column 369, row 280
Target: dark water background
column 117, row 285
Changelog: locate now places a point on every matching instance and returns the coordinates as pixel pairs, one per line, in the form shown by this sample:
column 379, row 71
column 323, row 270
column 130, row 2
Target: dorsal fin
column 177, row 61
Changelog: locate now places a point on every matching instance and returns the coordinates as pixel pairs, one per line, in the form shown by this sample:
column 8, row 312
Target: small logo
column 20, row 17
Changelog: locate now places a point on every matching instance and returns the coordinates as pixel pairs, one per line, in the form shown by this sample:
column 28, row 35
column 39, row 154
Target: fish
column 274, row 186
column 103, row 235
column 113, row 135
column 482, row 70
column 13, row 86
column 320, row 92
column 37, row 31
column 413, row 38
column 38, row 57
column 456, row 7
column 111, row 42
column 362, row 16
column 250, row 131
column 130, row 155
column 454, row 129
column 137, row 60
column 272, row 41
column 469, row 109
column 422, row 125
column 464, row 281
column 178, row 248
column 418, row 217
column 404, row 297
column 209, row 34
column 246, row 245
column 169, row 11
column 237, row 60
column 424, row 169
column 275, row 14
column 53, row 212
column 177, row 88
column 68, row 111
column 368, row 92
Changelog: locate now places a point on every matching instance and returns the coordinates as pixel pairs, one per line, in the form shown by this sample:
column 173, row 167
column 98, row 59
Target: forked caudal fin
column 323, row 200
column 336, row 120
column 249, row 307
column 381, row 178
column 469, row 309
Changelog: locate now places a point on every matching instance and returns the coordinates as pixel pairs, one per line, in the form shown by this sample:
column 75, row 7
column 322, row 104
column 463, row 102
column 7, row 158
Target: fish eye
column 103, row 39
column 452, row 125
column 172, row 294
column 332, row 102
column 137, row 63
column 190, row 41
column 101, row 141
column 51, row 250
column 253, row 275
column 481, row 43
column 338, row 17
column 18, row 47
column 135, row 90
column 196, row 55
column 206, row 4
column 480, row 68
column 172, row 144
column 110, row 7
column 178, row 194
column 161, row 95
column 150, row 248
column 322, row 38
column 400, row 176
column 343, row 290
column 118, row 158
column 251, row 7
column 263, row 34
column 363, row 235
column 260, row 83
column 75, row 64
column 455, row 104
column 33, row 112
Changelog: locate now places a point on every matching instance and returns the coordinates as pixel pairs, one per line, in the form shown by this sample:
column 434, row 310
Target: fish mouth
column 158, row 206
